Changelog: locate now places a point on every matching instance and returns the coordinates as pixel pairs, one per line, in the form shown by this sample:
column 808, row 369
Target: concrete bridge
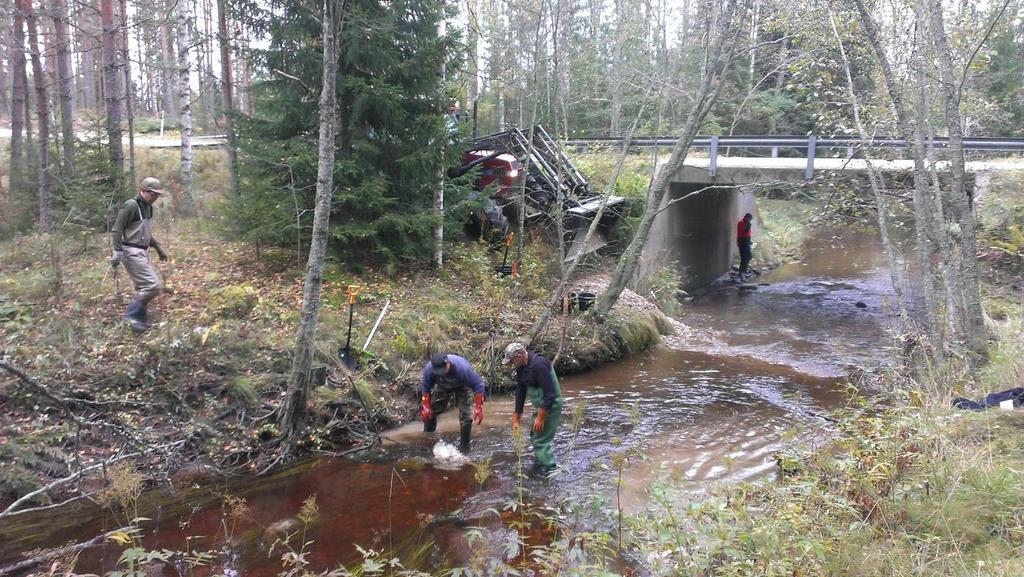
column 697, row 224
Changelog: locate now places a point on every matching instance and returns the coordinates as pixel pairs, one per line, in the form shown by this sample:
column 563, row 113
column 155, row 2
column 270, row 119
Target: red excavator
column 502, row 157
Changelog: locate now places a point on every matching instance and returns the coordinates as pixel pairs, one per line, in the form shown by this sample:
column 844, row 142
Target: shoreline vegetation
column 205, row 381
column 908, row 485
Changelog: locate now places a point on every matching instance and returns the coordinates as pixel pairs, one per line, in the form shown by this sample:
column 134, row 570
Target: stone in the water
column 861, row 305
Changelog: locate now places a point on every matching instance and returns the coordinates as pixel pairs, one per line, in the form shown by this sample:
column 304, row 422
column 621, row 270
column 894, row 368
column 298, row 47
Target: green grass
column 785, row 225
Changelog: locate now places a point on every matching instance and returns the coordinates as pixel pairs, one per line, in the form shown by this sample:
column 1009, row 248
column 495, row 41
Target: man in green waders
column 535, row 376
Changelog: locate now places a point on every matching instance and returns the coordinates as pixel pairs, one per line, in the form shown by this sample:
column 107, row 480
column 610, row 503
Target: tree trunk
column 142, row 47
column 66, row 78
column 753, row 42
column 19, row 110
column 473, row 56
column 5, row 68
column 43, row 111
column 112, row 92
column 211, row 88
column 246, row 68
column 86, row 35
column 227, row 95
column 129, row 92
column 167, row 72
column 778, row 83
column 188, row 205
column 439, row 186
column 974, row 314
column 562, row 58
column 31, row 164
column 617, row 65
column 877, row 186
column 294, row 409
column 947, row 267
column 528, row 132
column 915, row 137
column 719, row 59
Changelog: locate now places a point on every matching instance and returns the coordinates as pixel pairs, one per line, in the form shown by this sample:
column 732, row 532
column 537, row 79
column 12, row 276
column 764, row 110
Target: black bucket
column 503, row 270
column 318, row 375
column 582, row 300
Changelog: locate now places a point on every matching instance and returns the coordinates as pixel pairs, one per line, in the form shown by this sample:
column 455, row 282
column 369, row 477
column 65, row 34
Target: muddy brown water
column 713, row 413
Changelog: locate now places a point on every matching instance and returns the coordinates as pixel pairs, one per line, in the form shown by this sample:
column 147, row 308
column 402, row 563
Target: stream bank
column 202, row 386
column 703, row 414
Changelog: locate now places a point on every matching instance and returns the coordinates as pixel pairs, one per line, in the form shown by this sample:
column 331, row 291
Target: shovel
column 346, row 353
column 505, row 269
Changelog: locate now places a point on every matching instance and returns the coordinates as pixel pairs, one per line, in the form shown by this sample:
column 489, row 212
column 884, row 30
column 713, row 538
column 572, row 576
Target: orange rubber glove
column 478, row 408
column 538, row 423
column 515, row 420
column 425, row 412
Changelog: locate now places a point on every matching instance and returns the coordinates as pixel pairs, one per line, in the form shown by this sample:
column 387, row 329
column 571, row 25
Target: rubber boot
column 431, row 425
column 464, row 437
column 135, row 314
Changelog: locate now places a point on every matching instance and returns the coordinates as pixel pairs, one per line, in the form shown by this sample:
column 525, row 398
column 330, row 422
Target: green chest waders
column 542, row 452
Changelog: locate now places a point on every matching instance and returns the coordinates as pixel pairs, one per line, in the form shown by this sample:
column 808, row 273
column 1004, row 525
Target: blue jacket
column 459, row 371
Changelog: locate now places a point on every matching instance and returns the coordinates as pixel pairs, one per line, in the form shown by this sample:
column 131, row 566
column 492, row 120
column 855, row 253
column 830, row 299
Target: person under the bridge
column 536, row 377
column 445, row 376
column 744, row 233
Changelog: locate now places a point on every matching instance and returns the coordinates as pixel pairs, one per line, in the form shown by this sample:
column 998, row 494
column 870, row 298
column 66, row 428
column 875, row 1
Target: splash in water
column 447, row 454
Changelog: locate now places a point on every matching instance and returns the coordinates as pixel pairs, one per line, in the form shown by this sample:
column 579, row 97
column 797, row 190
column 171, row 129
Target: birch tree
column 911, row 134
column 294, row 409
column 950, row 93
column 876, row 181
column 188, row 205
column 439, row 187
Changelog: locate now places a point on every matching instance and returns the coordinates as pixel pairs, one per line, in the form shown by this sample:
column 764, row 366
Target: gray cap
column 153, row 185
column 439, row 363
column 512, row 350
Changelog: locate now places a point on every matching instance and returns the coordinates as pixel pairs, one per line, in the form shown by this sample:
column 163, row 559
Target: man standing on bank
column 744, row 230
column 133, row 237
column 536, row 377
column 447, row 376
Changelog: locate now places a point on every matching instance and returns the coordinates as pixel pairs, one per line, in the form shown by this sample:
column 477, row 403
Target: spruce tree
column 390, row 127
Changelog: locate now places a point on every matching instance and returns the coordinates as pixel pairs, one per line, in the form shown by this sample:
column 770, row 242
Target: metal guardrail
column 811, row 143
column 204, row 141
column 753, row 141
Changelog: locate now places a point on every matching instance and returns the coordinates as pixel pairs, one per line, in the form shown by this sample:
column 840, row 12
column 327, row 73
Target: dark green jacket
column 129, row 214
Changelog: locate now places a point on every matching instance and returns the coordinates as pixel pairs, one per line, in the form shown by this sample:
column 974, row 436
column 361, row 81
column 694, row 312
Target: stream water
column 714, row 412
